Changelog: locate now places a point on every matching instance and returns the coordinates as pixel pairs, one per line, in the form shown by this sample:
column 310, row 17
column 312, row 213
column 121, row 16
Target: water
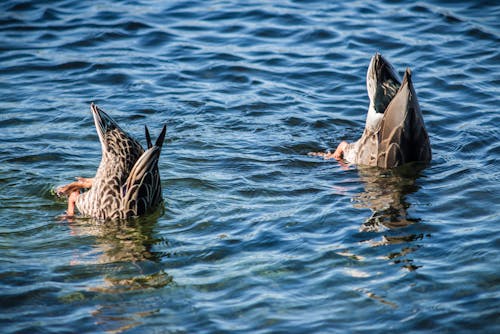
column 255, row 235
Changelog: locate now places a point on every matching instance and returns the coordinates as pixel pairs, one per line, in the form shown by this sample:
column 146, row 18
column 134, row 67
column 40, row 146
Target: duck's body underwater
column 395, row 132
column 127, row 182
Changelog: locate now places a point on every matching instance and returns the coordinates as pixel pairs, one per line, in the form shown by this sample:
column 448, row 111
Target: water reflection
column 385, row 194
column 118, row 241
column 124, row 261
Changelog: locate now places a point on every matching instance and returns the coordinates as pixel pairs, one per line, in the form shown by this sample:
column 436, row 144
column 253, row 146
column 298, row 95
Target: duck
column 395, row 132
column 127, row 182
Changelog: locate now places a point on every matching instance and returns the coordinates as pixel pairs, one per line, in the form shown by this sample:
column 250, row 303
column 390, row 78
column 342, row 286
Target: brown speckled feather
column 124, row 163
column 143, row 188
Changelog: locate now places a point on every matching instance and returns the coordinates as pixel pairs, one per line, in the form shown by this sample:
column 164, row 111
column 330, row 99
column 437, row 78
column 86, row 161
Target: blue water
column 255, row 235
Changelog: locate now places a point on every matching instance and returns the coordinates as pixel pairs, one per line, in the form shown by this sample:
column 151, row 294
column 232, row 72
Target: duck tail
column 148, row 137
column 161, row 137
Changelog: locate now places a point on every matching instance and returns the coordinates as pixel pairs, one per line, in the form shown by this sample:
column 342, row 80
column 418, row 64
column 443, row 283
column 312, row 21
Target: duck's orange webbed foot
column 324, row 155
column 81, row 183
column 338, row 154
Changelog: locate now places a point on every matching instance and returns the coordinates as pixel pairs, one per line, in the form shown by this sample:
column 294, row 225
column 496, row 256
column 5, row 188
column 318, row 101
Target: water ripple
column 254, row 235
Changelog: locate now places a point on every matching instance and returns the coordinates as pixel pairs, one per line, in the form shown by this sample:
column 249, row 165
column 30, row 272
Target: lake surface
column 255, row 236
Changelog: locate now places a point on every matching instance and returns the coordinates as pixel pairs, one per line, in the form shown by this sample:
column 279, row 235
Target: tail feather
column 161, row 137
column 148, row 137
column 143, row 186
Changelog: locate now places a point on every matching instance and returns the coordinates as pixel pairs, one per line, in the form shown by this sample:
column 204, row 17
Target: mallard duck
column 127, row 182
column 395, row 132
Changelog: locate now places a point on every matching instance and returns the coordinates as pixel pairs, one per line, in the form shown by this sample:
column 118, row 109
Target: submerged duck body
column 395, row 132
column 127, row 182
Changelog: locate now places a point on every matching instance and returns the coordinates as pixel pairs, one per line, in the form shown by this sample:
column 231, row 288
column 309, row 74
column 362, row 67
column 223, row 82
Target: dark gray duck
column 127, row 182
column 395, row 132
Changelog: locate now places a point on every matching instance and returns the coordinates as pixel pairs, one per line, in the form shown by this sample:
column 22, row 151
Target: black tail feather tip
column 161, row 137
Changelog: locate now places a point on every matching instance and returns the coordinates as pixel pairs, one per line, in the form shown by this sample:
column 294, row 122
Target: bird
column 127, row 182
column 395, row 132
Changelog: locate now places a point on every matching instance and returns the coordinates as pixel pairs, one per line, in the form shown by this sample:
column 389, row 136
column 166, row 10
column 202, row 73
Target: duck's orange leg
column 72, row 190
column 71, row 203
column 339, row 152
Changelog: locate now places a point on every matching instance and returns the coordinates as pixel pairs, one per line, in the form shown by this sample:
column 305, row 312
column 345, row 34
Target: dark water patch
column 112, row 78
column 316, row 36
column 136, row 26
column 50, row 67
column 22, row 6
column 232, row 29
column 155, row 38
column 190, row 28
column 272, row 33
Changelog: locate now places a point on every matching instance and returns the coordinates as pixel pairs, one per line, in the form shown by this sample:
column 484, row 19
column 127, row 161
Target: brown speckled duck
column 127, row 182
column 395, row 132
